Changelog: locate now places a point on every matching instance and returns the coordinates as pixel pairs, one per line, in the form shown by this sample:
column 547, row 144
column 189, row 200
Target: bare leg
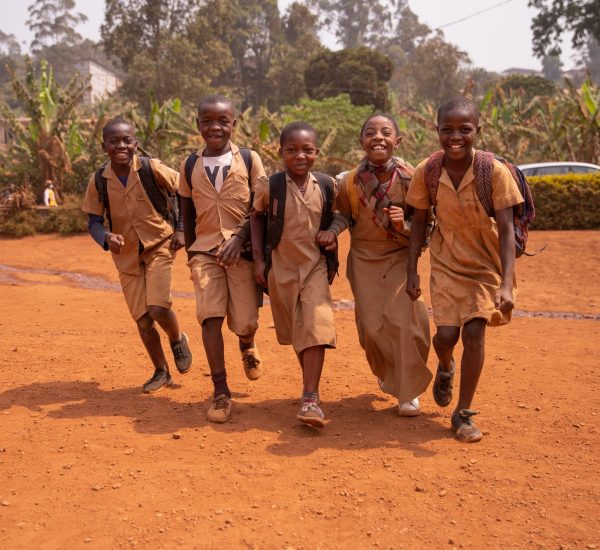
column 312, row 365
column 151, row 341
column 443, row 342
column 473, row 337
column 167, row 319
column 212, row 338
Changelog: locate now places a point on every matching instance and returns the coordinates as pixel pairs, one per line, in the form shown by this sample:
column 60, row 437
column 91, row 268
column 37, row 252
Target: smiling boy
column 216, row 187
column 141, row 241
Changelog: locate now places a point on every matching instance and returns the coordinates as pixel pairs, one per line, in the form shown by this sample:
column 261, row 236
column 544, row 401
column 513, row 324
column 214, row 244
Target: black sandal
column 462, row 424
column 443, row 384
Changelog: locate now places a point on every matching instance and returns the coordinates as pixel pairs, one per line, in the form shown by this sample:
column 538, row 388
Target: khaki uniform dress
column 298, row 287
column 466, row 270
column 223, row 292
column 392, row 329
column 145, row 275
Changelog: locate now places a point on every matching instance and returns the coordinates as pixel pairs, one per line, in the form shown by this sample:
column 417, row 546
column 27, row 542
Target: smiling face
column 120, row 143
column 379, row 138
column 216, row 122
column 299, row 151
column 457, row 129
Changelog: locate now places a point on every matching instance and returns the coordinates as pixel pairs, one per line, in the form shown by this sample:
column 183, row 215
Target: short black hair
column 459, row 103
column 113, row 122
column 384, row 115
column 298, row 126
column 214, row 98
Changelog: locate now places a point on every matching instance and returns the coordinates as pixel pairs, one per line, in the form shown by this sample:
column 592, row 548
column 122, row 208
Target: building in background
column 103, row 81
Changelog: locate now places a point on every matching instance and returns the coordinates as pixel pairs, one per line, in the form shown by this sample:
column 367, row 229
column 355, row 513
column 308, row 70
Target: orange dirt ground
column 86, row 460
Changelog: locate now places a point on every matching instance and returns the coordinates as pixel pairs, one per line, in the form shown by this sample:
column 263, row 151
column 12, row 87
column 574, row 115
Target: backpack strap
column 102, row 189
column 483, row 169
column 276, row 211
column 352, row 191
column 433, row 171
column 247, row 158
column 190, row 162
column 156, row 194
column 326, row 185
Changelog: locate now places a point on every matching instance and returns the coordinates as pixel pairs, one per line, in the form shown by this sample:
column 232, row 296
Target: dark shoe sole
column 165, row 385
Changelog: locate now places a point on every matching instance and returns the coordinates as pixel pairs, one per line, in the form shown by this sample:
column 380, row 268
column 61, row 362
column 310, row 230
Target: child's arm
column 188, row 216
column 504, row 300
column 258, row 226
column 416, row 241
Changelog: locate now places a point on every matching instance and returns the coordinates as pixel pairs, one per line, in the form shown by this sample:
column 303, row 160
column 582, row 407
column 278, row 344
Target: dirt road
column 86, row 460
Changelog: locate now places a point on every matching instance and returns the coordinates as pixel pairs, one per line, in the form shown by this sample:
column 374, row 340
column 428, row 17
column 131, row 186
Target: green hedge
column 66, row 221
column 566, row 202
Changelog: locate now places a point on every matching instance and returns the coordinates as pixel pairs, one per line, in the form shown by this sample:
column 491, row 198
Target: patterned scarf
column 373, row 194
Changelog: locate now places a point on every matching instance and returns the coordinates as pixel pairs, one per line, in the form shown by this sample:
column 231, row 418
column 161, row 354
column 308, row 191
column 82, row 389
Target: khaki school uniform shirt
column 221, row 214
column 132, row 213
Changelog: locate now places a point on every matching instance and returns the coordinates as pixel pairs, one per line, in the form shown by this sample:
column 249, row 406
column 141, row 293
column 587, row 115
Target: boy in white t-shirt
column 216, row 187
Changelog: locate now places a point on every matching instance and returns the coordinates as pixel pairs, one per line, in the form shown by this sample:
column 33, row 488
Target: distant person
column 472, row 254
column 142, row 242
column 49, row 194
column 216, row 186
column 294, row 207
column 393, row 331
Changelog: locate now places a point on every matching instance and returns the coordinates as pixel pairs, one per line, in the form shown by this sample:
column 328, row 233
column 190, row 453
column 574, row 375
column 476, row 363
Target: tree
column 591, row 59
column 158, row 55
column 557, row 16
column 356, row 22
column 434, row 69
column 528, row 86
column 286, row 75
column 360, row 72
column 53, row 22
column 552, row 68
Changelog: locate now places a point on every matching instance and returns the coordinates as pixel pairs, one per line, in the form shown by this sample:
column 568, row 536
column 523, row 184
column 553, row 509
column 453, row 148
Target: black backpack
column 163, row 201
column 276, row 212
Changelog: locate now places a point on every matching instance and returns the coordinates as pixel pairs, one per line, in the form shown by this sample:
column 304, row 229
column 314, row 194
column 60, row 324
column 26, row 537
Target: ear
column 234, row 125
column 478, row 130
column 318, row 151
column 280, row 150
column 104, row 147
column 398, row 140
column 198, row 123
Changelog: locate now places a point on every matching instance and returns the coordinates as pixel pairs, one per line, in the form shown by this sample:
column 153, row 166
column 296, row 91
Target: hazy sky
column 495, row 40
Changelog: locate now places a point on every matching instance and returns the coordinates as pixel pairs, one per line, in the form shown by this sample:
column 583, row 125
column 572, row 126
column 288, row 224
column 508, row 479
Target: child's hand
column 229, row 252
column 413, row 286
column 178, row 241
column 115, row 242
column 396, row 215
column 504, row 300
column 259, row 267
column 327, row 239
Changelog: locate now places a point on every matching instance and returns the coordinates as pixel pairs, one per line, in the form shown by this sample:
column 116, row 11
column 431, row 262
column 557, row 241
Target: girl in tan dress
column 393, row 330
column 472, row 257
column 298, row 278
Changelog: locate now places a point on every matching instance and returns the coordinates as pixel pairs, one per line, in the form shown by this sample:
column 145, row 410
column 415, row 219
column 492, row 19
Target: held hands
column 115, row 242
column 396, row 215
column 259, row 267
column 504, row 300
column 327, row 239
column 178, row 241
column 413, row 286
column 229, row 252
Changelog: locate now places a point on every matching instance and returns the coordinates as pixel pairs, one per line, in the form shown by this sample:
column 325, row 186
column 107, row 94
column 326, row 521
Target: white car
column 558, row 168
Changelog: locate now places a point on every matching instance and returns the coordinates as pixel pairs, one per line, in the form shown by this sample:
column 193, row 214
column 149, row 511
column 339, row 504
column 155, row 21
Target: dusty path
column 87, row 461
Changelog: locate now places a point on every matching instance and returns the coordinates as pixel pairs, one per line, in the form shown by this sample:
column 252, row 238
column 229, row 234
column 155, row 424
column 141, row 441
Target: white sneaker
column 410, row 408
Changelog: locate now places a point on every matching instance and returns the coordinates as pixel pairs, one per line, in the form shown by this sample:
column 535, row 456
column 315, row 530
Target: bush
column 64, row 221
column 566, row 202
column 21, row 223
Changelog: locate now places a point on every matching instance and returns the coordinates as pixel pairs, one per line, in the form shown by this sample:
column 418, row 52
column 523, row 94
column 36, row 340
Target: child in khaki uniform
column 298, row 280
column 142, row 245
column 393, row 331
column 215, row 205
column 472, row 257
